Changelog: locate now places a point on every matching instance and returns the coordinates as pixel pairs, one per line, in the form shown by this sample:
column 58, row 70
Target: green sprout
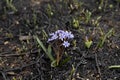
column 16, row 78
column 49, row 10
column 75, row 23
column 95, row 22
column 88, row 42
column 72, row 71
column 10, row 5
column 88, row 16
column 118, row 1
column 104, row 37
column 101, row 4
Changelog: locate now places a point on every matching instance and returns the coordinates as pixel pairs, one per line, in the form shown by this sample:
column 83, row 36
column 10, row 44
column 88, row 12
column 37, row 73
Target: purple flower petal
column 66, row 44
column 62, row 35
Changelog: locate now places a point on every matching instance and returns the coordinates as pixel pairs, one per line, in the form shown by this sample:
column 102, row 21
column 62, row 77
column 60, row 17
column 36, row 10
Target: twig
column 16, row 55
column 98, row 68
column 12, row 55
column 20, row 68
column 3, row 74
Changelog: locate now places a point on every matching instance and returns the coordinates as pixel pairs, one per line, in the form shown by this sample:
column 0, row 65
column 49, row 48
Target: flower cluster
column 61, row 35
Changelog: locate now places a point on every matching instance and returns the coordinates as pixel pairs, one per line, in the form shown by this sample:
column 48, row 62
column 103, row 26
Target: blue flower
column 59, row 32
column 54, row 36
column 69, row 35
column 63, row 36
column 66, row 44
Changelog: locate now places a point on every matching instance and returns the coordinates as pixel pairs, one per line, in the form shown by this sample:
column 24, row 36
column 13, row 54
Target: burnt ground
column 21, row 58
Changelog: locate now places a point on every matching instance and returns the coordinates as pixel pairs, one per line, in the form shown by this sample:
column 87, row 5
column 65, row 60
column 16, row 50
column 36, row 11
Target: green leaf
column 54, row 63
column 88, row 43
column 47, row 51
column 41, row 44
column 65, row 61
column 114, row 67
column 118, row 1
column 75, row 23
column 102, row 41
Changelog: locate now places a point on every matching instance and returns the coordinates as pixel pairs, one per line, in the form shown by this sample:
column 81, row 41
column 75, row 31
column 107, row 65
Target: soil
column 21, row 58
